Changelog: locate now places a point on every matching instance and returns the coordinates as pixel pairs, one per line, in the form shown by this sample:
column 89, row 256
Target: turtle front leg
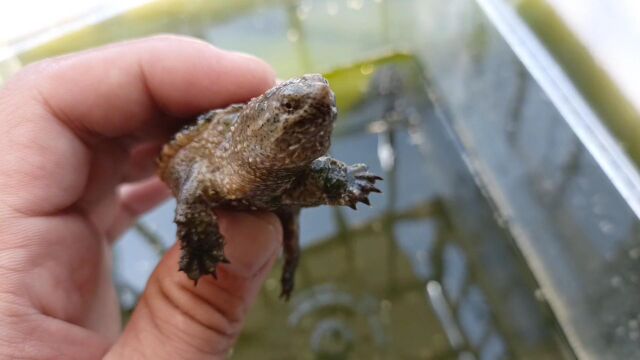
column 201, row 242
column 332, row 182
column 289, row 217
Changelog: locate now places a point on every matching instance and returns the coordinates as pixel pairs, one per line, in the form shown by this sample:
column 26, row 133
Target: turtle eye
column 288, row 105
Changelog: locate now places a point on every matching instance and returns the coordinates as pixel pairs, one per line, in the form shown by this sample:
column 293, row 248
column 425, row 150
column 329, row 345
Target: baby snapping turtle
column 268, row 154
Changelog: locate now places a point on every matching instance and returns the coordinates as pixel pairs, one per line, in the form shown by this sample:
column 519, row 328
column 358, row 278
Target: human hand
column 79, row 136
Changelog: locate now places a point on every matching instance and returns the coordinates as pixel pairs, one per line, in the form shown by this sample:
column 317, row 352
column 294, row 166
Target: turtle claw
column 371, row 188
column 361, row 183
column 369, row 177
column 198, row 265
column 284, row 295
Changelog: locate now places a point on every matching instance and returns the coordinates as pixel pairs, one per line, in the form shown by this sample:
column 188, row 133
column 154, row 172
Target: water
column 497, row 236
column 412, row 276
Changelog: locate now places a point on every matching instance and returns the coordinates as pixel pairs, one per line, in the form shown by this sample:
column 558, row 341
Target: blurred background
column 507, row 133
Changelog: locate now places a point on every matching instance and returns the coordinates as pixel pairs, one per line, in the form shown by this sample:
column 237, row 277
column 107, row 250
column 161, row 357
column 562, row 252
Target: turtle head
column 290, row 125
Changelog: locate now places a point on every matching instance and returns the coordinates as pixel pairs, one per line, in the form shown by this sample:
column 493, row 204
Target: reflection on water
column 493, row 212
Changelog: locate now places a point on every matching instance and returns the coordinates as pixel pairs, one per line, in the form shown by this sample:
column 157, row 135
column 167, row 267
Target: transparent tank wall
column 579, row 235
column 497, row 235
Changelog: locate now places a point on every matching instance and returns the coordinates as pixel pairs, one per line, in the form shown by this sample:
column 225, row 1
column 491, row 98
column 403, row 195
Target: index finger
column 133, row 87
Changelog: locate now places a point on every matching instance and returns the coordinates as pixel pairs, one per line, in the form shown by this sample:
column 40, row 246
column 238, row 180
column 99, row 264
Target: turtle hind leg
column 202, row 251
column 201, row 242
column 289, row 217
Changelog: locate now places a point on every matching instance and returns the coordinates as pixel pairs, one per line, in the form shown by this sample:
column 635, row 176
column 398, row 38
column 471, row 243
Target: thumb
column 176, row 320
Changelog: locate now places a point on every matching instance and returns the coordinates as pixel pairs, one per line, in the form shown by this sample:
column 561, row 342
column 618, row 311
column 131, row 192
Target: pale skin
column 79, row 136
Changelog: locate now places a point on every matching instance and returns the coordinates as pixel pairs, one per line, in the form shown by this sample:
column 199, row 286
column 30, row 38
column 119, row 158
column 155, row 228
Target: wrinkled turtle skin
column 268, row 154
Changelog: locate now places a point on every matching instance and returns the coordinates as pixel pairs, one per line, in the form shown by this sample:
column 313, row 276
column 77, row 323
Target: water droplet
column 332, row 8
column 386, row 153
column 378, row 126
column 366, row 69
column 634, row 253
column 355, row 4
column 293, row 35
column 606, row 227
